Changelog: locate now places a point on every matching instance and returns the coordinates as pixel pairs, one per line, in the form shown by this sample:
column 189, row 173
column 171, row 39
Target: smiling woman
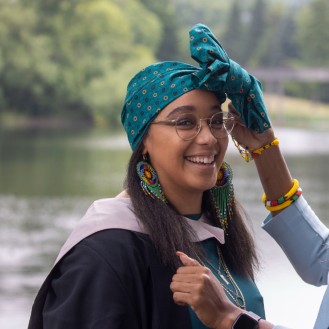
column 190, row 165
column 116, row 267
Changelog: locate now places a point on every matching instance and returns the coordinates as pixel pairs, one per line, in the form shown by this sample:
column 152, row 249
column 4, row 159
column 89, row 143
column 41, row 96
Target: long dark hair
column 170, row 233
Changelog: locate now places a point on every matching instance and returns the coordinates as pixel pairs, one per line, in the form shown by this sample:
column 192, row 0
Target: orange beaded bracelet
column 249, row 154
column 256, row 153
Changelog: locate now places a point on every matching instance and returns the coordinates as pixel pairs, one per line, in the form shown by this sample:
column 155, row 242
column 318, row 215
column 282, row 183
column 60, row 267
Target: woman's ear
column 144, row 151
column 145, row 144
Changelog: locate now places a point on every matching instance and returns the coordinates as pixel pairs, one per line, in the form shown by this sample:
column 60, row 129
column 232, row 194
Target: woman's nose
column 205, row 136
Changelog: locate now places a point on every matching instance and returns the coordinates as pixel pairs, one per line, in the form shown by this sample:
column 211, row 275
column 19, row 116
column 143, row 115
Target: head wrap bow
column 159, row 84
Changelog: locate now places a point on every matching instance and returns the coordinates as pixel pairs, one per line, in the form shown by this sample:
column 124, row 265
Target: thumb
column 186, row 260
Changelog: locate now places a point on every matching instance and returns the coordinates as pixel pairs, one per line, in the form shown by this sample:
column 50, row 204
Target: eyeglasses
column 188, row 125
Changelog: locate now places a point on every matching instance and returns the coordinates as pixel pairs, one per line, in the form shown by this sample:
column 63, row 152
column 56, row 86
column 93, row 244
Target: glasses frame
column 227, row 116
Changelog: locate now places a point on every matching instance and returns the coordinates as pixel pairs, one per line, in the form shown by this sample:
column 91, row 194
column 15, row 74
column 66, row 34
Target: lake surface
column 49, row 178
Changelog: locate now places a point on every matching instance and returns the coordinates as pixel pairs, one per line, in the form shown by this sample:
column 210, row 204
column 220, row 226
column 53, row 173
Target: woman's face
column 186, row 166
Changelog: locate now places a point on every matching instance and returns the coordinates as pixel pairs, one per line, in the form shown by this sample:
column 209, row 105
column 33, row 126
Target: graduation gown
column 107, row 275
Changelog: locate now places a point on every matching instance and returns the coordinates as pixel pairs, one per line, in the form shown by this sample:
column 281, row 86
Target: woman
column 292, row 223
column 115, row 269
column 303, row 238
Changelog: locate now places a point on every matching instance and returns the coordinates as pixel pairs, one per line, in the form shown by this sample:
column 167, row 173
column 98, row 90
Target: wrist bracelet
column 283, row 202
column 249, row 154
column 259, row 151
column 286, row 203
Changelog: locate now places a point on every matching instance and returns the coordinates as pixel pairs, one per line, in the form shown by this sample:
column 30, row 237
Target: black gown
column 85, row 291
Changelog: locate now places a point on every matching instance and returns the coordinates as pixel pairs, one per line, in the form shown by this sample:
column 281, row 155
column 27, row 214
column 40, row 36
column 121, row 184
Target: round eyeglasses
column 188, row 125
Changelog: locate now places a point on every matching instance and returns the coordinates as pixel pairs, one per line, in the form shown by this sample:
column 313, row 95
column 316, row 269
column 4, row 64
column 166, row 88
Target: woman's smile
column 186, row 167
column 202, row 159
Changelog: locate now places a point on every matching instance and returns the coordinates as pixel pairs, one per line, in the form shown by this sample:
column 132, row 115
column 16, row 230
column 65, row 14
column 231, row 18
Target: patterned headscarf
column 153, row 88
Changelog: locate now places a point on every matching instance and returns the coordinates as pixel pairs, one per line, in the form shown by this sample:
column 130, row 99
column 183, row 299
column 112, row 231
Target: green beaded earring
column 149, row 181
column 223, row 195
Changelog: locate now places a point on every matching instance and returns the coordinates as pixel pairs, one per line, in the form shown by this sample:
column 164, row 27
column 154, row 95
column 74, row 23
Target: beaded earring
column 149, row 180
column 223, row 195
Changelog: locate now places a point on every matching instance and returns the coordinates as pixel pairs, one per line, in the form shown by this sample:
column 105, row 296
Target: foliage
column 276, row 46
column 56, row 55
column 165, row 11
column 312, row 33
column 233, row 36
column 312, row 37
column 256, row 30
column 73, row 58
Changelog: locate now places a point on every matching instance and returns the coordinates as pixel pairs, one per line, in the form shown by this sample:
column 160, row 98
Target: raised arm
column 295, row 227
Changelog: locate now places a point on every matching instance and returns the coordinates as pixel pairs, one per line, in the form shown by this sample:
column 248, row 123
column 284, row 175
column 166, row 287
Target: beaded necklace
column 236, row 295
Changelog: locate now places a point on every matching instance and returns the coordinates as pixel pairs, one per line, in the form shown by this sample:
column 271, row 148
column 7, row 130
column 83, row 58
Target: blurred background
column 64, row 67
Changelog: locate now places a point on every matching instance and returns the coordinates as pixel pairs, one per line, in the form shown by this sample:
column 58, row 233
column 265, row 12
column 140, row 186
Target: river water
column 49, row 178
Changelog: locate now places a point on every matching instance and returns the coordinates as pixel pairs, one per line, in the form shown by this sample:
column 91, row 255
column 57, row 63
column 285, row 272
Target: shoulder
column 113, row 243
column 103, row 214
column 97, row 281
column 113, row 248
column 117, row 260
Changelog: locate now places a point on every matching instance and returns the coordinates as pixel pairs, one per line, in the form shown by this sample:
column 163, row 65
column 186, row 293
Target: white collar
column 116, row 213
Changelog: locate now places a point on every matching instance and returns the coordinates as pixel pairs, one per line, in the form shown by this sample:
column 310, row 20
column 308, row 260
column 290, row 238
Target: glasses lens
column 222, row 124
column 187, row 126
column 229, row 122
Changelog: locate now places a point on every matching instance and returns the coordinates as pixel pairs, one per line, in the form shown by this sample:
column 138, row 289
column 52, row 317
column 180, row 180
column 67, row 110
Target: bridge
column 281, row 74
column 273, row 80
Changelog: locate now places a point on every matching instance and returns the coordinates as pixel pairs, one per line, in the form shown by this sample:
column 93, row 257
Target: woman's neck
column 186, row 204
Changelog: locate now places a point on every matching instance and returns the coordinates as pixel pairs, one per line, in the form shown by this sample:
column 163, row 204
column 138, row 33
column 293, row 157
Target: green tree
column 312, row 37
column 26, row 74
column 255, row 31
column 190, row 12
column 73, row 58
column 233, row 36
column 165, row 11
column 290, row 48
column 270, row 50
column 312, row 34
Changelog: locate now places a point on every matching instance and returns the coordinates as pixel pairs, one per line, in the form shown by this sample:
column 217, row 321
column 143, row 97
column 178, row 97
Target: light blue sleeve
column 304, row 239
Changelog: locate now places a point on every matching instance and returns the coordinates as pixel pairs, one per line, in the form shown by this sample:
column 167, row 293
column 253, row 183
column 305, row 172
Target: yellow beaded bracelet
column 259, row 151
column 288, row 195
column 250, row 154
column 280, row 206
column 291, row 196
column 286, row 203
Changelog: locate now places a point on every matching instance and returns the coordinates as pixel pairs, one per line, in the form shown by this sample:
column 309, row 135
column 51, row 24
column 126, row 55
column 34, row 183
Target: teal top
column 253, row 298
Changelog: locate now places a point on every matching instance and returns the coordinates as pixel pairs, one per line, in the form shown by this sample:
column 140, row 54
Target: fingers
column 186, row 260
column 189, row 280
column 188, row 289
column 190, row 265
column 237, row 117
column 182, row 286
column 181, row 298
column 232, row 109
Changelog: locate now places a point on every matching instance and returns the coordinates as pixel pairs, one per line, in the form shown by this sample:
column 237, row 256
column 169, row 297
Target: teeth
column 202, row 159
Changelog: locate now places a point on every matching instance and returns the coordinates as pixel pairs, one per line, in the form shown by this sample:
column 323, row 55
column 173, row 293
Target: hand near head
column 248, row 137
column 196, row 286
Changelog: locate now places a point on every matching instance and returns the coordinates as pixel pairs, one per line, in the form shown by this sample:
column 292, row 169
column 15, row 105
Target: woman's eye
column 185, row 122
column 217, row 122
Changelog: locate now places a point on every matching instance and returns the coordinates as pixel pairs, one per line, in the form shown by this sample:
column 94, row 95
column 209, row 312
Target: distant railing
column 280, row 74
column 273, row 80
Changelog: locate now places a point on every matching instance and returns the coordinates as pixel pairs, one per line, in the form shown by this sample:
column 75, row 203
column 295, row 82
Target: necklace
column 236, row 294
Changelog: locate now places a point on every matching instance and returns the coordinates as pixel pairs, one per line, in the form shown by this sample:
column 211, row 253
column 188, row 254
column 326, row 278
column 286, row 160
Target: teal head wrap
column 153, row 88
